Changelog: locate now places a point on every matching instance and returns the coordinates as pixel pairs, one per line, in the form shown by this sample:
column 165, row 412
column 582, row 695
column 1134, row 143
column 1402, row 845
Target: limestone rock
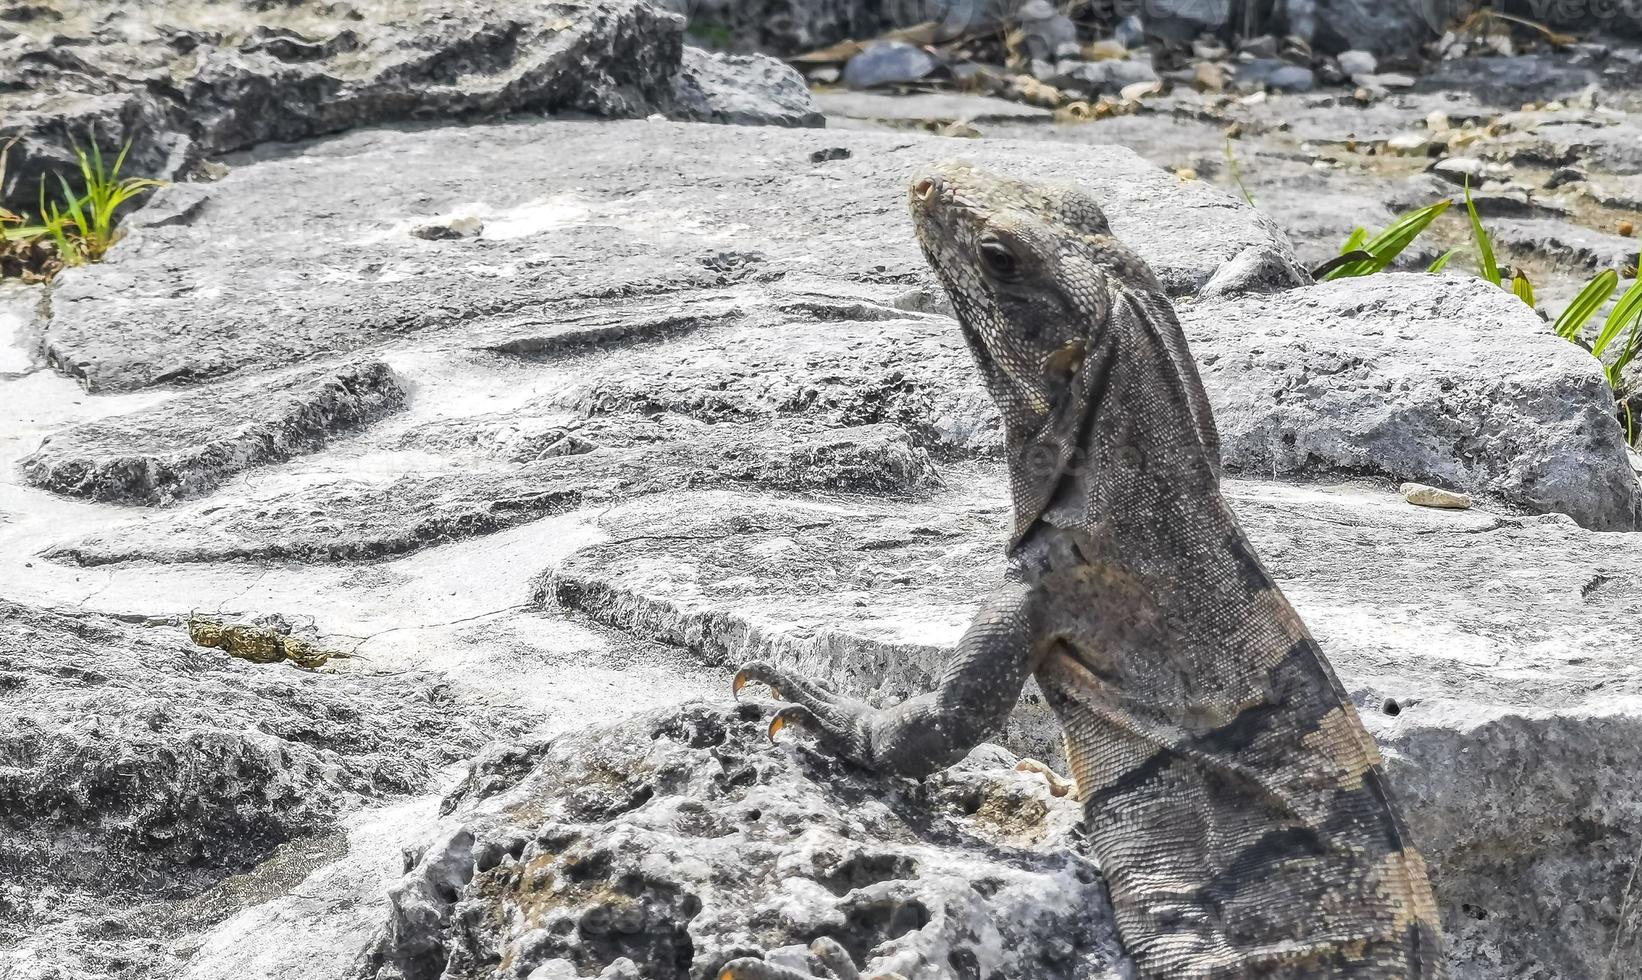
column 188, row 83
column 1422, row 495
column 698, row 206
column 558, row 468
column 888, row 63
column 747, row 90
column 140, row 767
column 680, row 839
column 1419, row 378
column 191, row 444
column 1356, row 62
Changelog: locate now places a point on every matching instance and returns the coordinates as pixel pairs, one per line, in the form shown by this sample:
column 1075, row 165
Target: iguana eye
column 999, row 259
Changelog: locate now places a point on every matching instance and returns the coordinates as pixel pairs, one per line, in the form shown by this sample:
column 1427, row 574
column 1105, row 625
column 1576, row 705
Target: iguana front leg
column 976, row 692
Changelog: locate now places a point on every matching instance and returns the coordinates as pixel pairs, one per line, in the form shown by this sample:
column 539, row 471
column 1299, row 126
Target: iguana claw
column 837, row 720
column 795, row 714
column 754, row 671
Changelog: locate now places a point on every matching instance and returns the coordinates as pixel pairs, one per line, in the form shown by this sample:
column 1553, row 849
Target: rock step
column 553, row 471
column 192, row 444
column 693, row 207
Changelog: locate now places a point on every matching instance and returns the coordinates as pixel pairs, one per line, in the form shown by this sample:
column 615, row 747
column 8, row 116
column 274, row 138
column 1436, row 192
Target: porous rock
column 681, row 839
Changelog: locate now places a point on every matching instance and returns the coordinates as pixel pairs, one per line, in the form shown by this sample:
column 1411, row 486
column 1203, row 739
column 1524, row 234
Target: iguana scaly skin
column 1235, row 803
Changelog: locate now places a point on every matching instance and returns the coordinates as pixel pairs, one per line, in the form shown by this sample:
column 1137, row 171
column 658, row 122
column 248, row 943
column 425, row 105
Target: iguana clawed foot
column 840, row 722
column 836, row 964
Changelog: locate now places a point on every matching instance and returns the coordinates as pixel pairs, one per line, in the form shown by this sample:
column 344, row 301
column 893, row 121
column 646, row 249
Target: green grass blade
column 1486, row 263
column 1585, row 305
column 1354, row 242
column 1523, row 289
column 119, row 161
column 1627, row 309
column 74, row 209
column 1443, row 260
column 1388, row 244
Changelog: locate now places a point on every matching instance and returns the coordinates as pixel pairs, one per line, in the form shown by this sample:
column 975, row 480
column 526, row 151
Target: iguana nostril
column 923, row 189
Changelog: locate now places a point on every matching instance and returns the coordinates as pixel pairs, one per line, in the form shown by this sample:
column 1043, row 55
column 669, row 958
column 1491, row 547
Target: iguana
column 1234, row 802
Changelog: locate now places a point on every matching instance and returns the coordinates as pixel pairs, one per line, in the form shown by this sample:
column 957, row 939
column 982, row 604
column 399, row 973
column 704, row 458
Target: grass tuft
column 82, row 226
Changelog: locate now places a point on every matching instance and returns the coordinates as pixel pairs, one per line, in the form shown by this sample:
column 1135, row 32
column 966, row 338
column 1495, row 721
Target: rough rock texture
column 353, row 519
column 689, row 395
column 1481, row 651
column 1397, row 27
column 190, row 445
column 191, row 80
column 788, row 27
column 694, row 206
column 680, row 839
column 752, row 90
column 137, row 764
column 1416, row 377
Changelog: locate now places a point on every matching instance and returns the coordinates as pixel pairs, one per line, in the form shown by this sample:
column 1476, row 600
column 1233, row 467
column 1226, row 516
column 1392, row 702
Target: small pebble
column 1105, row 49
column 1358, row 63
column 1139, row 90
column 1426, row 496
column 1409, row 144
column 466, row 226
column 1627, row 228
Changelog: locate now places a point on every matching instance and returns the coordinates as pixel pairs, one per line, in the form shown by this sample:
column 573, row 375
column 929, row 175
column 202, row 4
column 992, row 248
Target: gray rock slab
column 680, row 839
column 888, row 63
column 190, row 445
column 925, row 107
column 746, row 90
column 1487, row 654
column 1510, row 81
column 188, row 81
column 1565, row 244
column 688, row 206
column 1395, row 377
column 559, row 465
column 1416, row 377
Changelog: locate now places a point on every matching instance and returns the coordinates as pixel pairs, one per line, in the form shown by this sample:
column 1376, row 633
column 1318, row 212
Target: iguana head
column 1055, row 311
column 1031, row 269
